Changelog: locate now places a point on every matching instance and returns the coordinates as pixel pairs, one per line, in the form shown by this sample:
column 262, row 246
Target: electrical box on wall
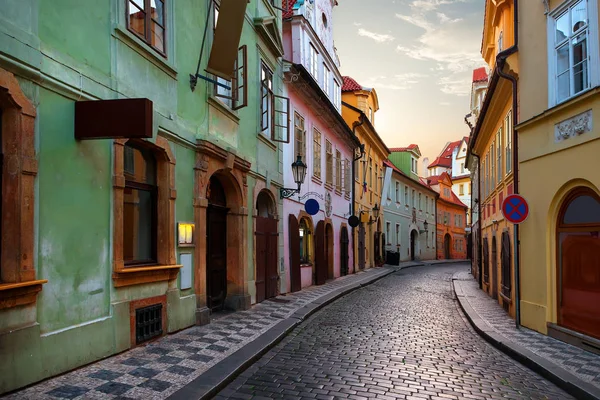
column 185, row 259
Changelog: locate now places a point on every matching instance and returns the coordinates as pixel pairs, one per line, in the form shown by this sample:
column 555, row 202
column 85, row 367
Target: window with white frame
column 338, row 170
column 266, row 79
column 420, row 205
column 493, row 165
column 572, row 41
column 397, row 192
column 427, row 204
column 326, row 76
column 499, row 155
column 462, row 167
column 313, row 60
column 508, row 141
column 336, row 94
column 413, row 165
column 328, row 162
column 412, row 198
column 406, row 195
column 300, row 136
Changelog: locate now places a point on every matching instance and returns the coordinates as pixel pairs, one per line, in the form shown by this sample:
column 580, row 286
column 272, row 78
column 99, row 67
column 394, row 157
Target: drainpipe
column 355, row 124
column 479, row 238
column 500, row 61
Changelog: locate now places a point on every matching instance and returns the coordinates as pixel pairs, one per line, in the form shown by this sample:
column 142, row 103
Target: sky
column 419, row 56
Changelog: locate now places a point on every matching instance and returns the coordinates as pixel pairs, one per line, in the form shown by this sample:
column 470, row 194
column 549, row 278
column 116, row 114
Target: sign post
column 515, row 208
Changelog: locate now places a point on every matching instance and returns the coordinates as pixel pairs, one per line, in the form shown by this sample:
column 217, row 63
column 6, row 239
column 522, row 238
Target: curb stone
column 557, row 375
column 225, row 371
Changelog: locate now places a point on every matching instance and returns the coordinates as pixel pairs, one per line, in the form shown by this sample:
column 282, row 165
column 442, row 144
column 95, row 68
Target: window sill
column 338, row 192
column 329, row 186
column 219, row 105
column 144, row 50
column 20, row 294
column 138, row 275
column 265, row 140
column 317, row 180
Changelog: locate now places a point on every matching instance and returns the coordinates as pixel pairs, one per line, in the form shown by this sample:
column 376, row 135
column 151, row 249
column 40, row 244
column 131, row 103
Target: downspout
column 500, row 61
column 355, row 124
column 479, row 238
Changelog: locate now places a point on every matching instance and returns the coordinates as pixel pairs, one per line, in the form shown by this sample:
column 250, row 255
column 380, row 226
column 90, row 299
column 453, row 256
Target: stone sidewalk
column 212, row 353
column 575, row 370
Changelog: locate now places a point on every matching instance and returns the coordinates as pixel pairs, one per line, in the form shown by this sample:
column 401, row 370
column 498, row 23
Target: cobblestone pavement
column 581, row 363
column 160, row 368
column 402, row 337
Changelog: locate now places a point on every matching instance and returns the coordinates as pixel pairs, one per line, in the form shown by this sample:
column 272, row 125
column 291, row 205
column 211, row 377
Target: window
column 313, row 60
column 500, row 42
column 397, row 194
column 328, row 163
column 338, row 170
column 412, row 198
column 266, row 79
column 300, row 136
column 326, row 77
column 570, row 59
column 508, row 141
column 305, row 242
column 499, row 155
column 371, row 114
column 462, row 167
column 388, row 232
column 370, row 173
column 413, row 165
column 420, row 205
column 397, row 234
column 139, row 206
column 348, row 178
column 461, row 189
column 146, row 18
column 376, row 181
column 336, row 94
column 316, row 153
column 493, row 166
column 406, row 195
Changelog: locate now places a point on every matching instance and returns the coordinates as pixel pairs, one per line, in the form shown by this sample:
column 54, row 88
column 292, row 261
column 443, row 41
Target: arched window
column 306, row 242
column 578, row 262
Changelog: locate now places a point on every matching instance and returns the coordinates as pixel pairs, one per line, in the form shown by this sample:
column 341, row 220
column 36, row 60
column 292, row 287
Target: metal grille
column 148, row 323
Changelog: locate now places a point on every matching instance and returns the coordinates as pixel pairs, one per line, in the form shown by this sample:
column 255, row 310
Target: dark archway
column 344, row 242
column 494, row 268
column 578, row 262
column 294, row 243
column 265, row 247
column 329, row 251
column 216, row 250
column 413, row 245
column 320, row 254
column 447, row 246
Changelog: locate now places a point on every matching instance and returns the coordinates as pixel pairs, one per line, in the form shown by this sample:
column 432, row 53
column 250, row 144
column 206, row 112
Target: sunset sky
column 419, row 55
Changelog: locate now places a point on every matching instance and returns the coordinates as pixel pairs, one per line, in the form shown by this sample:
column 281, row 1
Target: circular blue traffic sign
column 311, row 206
column 515, row 208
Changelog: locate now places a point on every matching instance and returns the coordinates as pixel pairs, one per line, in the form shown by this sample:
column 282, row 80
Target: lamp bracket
column 317, row 195
column 286, row 193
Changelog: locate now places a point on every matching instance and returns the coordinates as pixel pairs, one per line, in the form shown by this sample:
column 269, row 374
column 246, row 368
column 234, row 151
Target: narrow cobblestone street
column 403, row 337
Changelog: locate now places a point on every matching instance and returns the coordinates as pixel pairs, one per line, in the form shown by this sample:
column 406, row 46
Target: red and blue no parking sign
column 515, row 208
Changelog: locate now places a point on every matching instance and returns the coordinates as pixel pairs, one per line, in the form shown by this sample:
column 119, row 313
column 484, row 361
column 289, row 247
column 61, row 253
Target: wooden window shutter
column 280, row 131
column 239, row 85
column 265, row 108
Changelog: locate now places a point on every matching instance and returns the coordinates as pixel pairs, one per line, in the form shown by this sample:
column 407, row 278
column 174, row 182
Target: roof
column 441, row 162
column 455, row 200
column 447, row 152
column 480, row 75
column 433, row 180
column 288, row 8
column 407, row 148
column 419, row 182
column 350, row 85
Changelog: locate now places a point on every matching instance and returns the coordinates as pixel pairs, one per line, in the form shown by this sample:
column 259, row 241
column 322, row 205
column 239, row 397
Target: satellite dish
column 353, row 221
column 311, row 206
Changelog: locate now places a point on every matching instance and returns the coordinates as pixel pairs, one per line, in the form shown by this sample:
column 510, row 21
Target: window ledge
column 338, row 192
column 263, row 138
column 144, row 50
column 219, row 105
column 317, row 180
column 138, row 275
column 329, row 186
column 19, row 294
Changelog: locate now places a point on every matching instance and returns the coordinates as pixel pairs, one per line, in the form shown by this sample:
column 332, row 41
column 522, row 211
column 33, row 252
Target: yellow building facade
column 491, row 143
column 359, row 105
column 559, row 147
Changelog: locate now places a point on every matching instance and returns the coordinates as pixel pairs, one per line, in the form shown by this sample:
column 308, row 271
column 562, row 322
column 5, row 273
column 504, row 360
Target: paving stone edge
column 560, row 377
column 225, row 371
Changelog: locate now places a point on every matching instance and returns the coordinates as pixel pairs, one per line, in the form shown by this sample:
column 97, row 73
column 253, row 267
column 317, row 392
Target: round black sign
column 353, row 221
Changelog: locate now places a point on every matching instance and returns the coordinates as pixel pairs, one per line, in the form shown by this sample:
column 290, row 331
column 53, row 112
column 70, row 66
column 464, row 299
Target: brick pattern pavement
column 581, row 363
column 402, row 337
column 157, row 370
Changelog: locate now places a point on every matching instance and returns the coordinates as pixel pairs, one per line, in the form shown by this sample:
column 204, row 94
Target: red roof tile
column 288, row 8
column 433, row 180
column 450, row 148
column 350, row 85
column 480, row 75
column 441, row 162
column 407, row 148
column 457, row 201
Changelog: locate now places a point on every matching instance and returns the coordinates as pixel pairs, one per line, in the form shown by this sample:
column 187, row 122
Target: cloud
column 357, row 23
column 402, row 81
column 378, row 37
column 444, row 41
column 445, row 103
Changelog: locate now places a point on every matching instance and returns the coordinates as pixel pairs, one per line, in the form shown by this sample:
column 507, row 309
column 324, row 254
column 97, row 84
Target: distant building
column 406, row 159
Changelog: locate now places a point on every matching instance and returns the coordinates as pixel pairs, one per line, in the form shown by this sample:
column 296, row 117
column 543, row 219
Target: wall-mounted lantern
column 185, row 235
column 299, row 172
column 375, row 216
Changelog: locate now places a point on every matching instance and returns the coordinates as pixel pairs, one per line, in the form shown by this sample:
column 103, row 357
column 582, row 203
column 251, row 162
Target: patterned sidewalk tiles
column 578, row 362
column 162, row 367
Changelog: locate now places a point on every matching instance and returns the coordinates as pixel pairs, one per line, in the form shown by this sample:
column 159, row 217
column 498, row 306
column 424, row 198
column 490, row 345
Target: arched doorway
column 361, row 246
column 329, row 251
column 578, row 262
column 447, row 246
column 413, row 245
column 294, row 243
column 266, row 248
column 216, row 245
column 494, row 268
column 320, row 254
column 344, row 242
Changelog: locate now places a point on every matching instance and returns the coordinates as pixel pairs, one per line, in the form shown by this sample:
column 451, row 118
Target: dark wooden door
column 376, row 245
column 344, row 251
column 447, row 247
column 216, row 257
column 261, row 248
column 494, row 268
column 294, row 232
column 486, row 260
column 272, row 276
column 506, row 281
column 361, row 246
column 320, row 254
column 413, row 239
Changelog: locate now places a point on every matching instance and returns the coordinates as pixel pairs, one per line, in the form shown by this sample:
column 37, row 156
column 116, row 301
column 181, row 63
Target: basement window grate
column 148, row 323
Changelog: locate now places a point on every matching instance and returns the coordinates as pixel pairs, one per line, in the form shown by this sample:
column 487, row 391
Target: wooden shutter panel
column 239, row 86
column 280, row 131
column 265, row 107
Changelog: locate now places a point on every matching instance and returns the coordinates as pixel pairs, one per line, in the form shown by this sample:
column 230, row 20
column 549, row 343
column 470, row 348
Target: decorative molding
column 328, row 207
column 546, row 7
column 316, row 194
column 573, row 126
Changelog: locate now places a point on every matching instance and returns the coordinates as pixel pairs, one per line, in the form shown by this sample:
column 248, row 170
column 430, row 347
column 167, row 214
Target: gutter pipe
column 355, row 124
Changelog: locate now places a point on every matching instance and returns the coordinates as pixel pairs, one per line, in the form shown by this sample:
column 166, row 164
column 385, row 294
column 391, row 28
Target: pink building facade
column 316, row 247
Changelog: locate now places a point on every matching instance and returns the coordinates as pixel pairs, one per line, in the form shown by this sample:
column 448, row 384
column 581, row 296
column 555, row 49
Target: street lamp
column 376, row 212
column 299, row 172
column 425, row 225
